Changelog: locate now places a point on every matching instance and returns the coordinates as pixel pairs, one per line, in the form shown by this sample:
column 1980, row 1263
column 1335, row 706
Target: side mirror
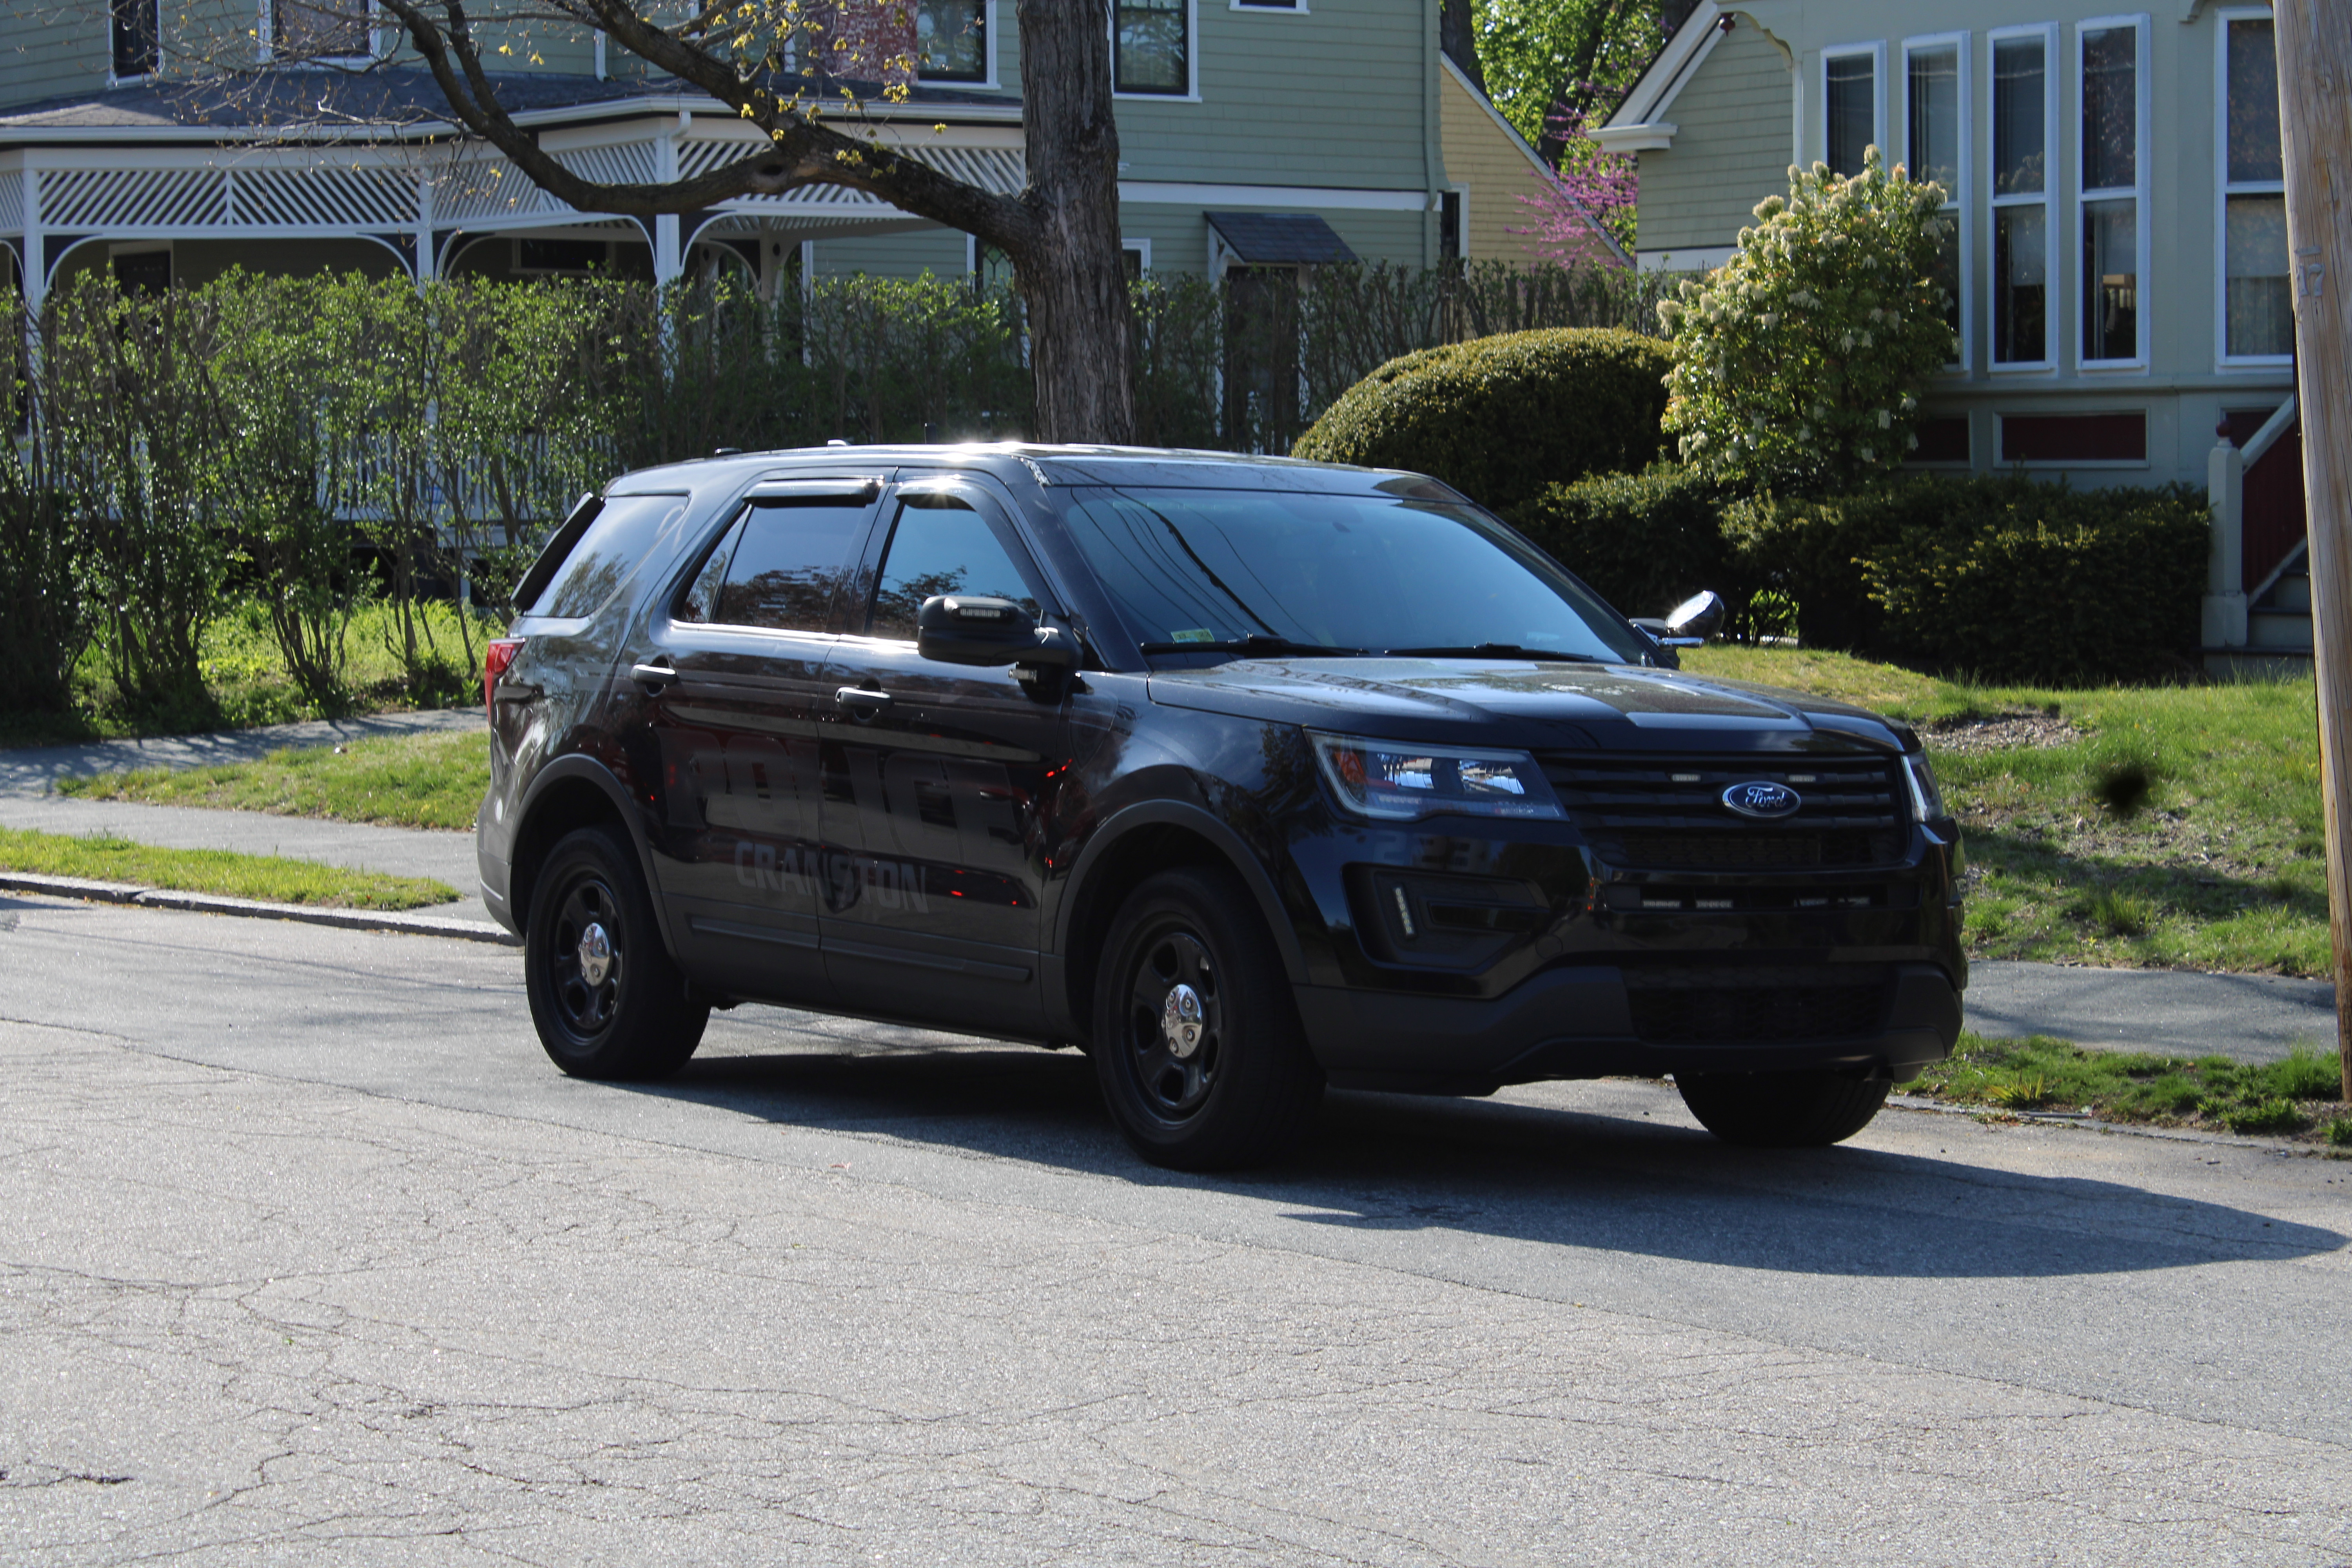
column 964, row 628
column 1692, row 622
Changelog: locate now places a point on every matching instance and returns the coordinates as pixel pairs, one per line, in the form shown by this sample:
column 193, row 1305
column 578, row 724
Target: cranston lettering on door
column 843, row 878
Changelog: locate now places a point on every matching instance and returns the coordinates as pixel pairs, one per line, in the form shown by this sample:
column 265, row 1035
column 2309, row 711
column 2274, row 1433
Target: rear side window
column 615, row 541
column 779, row 566
column 942, row 546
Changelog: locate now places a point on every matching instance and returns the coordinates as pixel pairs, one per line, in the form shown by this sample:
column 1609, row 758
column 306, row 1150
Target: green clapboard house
column 169, row 140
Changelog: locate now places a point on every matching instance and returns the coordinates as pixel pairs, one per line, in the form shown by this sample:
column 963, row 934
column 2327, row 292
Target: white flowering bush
column 1798, row 361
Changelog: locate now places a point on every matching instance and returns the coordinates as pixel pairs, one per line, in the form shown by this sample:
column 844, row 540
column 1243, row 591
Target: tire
column 628, row 1016
column 1230, row 1084
column 1783, row 1110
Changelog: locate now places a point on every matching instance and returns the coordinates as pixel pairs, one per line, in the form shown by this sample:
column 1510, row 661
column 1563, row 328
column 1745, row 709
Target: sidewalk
column 2253, row 1018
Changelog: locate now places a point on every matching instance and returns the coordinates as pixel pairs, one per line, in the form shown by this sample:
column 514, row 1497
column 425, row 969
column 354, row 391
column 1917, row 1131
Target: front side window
column 1153, row 47
column 941, row 545
column 1934, row 130
column 2020, row 199
column 2110, row 185
column 138, row 37
column 1354, row 573
column 779, row 567
column 2257, row 307
column 1849, row 109
column 952, row 40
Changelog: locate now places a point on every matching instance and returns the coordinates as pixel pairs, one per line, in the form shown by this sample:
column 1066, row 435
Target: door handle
column 654, row 676
column 861, row 701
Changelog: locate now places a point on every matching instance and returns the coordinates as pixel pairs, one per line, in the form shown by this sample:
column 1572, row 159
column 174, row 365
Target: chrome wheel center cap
column 1180, row 1022
column 595, row 954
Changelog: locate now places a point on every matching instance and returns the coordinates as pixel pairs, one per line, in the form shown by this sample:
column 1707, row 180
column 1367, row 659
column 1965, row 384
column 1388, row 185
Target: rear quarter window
column 616, row 540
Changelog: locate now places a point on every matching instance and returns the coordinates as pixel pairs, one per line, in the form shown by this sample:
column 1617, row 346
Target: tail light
column 497, row 654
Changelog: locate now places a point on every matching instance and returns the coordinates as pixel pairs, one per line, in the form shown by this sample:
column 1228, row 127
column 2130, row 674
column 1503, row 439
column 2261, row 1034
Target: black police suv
column 1244, row 776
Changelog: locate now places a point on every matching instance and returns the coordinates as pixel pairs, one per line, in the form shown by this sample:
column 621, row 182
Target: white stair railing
column 2224, row 621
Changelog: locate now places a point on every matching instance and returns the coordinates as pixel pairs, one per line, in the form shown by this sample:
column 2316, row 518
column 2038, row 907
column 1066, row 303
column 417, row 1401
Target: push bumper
column 1583, row 1022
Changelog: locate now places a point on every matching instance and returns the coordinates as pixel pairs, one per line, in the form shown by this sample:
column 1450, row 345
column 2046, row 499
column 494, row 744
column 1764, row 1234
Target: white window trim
column 2223, row 189
column 1192, row 94
column 2053, row 294
column 1958, row 207
column 1461, row 193
column 1878, row 53
column 114, row 80
column 1142, row 248
column 2138, row 191
column 382, row 40
column 1272, row 7
column 989, row 82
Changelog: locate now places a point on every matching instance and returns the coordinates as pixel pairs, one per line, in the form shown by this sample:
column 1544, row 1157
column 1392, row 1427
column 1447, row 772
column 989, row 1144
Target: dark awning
column 1279, row 239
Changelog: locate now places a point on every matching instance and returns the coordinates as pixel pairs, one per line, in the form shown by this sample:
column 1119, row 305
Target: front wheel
column 1783, row 1110
column 1197, row 1041
column 606, row 998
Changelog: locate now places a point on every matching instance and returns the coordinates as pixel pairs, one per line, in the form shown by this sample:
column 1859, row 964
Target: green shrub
column 1799, row 361
column 2026, row 581
column 1645, row 541
column 1499, row 418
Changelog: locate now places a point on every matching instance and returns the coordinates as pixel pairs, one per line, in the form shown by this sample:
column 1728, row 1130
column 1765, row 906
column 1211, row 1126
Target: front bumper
column 1585, row 1021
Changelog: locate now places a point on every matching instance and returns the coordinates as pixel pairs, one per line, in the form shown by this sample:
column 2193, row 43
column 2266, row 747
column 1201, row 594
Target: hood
column 1520, row 703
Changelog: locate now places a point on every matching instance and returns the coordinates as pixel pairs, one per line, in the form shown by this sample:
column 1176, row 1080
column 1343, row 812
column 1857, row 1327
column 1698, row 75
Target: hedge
column 1995, row 577
column 1500, row 418
column 1645, row 542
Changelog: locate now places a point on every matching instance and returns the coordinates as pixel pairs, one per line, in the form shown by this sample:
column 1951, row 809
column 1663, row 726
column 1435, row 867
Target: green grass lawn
column 404, row 781
column 2301, row 1094
column 246, row 683
column 268, row 877
column 2182, row 830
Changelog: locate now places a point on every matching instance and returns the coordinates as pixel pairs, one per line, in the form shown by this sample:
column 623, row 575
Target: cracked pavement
column 307, row 1255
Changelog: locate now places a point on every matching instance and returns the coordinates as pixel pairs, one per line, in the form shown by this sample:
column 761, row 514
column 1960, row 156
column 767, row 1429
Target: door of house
column 1261, row 358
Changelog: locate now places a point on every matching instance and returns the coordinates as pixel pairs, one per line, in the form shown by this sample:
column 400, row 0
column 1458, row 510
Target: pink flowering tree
column 1591, row 192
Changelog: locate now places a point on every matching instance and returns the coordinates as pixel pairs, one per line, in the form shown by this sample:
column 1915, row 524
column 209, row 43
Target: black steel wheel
column 1197, row 1042
column 1783, row 1110
column 606, row 998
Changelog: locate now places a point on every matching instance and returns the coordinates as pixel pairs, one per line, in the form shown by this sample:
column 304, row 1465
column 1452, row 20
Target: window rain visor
column 1398, row 781
column 1348, row 573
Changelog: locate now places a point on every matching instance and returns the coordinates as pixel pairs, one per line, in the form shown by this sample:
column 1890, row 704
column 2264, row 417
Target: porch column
column 36, row 267
column 668, row 263
column 427, row 263
column 2222, row 623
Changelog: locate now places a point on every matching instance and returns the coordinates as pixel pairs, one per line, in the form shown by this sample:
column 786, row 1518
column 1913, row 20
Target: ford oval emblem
column 1762, row 799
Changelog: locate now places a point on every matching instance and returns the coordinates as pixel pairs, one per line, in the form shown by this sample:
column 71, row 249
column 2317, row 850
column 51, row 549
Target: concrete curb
column 2129, row 1129
column 254, row 909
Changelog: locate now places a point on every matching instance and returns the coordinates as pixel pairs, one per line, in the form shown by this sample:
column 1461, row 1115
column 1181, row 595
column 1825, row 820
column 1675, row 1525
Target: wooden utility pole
column 2315, row 77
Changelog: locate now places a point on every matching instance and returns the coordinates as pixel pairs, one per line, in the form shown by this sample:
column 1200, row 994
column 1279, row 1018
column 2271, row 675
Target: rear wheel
column 1197, row 1041
column 1783, row 1110
column 606, row 998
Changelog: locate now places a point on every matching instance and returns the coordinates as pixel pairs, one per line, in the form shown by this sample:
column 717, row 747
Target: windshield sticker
column 1192, row 634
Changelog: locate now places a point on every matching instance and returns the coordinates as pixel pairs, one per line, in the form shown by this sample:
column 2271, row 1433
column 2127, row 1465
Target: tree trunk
column 2314, row 72
column 1071, row 271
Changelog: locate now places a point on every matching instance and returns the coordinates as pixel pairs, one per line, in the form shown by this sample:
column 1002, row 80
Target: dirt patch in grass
column 1999, row 733
column 2299, row 1097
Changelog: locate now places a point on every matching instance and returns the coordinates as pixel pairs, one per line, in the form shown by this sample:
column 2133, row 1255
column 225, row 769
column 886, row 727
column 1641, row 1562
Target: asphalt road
column 310, row 1256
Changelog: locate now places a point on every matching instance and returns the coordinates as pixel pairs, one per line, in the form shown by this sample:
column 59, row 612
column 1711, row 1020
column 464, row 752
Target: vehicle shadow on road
column 1561, row 1176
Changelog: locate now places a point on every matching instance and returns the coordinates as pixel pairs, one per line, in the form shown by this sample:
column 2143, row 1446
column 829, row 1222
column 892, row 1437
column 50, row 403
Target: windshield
column 1358, row 573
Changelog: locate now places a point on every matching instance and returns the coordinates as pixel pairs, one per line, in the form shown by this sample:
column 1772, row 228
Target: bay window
column 1935, row 131
column 1849, row 107
column 2021, row 115
column 2257, row 307
column 952, row 40
column 2108, row 56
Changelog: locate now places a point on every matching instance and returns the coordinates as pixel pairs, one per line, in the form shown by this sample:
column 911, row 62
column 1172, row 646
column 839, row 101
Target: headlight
column 1397, row 781
column 1927, row 800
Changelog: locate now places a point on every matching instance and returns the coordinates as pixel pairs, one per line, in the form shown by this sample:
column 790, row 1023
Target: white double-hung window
column 1853, row 107
column 2023, row 111
column 1935, row 147
column 2111, row 63
column 2257, row 304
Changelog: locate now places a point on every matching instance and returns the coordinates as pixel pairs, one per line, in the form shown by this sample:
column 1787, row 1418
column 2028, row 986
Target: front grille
column 1667, row 813
column 1755, row 1006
